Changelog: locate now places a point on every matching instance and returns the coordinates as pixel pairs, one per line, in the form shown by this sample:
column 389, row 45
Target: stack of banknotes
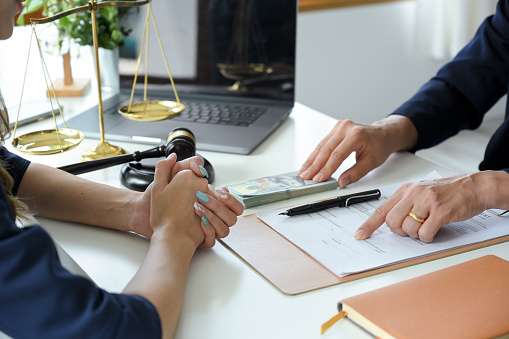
column 278, row 187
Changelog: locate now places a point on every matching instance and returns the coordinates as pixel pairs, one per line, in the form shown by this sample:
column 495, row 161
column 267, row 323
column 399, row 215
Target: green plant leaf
column 30, row 6
column 78, row 26
column 33, row 5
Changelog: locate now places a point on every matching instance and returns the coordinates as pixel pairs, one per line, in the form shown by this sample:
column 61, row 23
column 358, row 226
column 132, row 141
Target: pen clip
column 499, row 213
column 361, row 198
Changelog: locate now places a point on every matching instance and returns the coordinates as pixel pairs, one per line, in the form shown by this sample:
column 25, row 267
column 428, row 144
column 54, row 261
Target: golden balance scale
column 63, row 139
column 245, row 29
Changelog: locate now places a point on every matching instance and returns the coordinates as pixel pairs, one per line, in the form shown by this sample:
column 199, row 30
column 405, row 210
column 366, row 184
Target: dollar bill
column 278, row 187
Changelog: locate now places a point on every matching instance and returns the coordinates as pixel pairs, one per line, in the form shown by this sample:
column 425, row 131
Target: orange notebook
column 468, row 300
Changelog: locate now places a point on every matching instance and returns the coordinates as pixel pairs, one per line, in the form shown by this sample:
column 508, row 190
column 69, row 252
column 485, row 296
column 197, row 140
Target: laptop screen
column 236, row 48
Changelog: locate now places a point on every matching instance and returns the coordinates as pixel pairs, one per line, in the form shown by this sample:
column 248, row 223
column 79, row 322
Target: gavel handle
column 94, row 165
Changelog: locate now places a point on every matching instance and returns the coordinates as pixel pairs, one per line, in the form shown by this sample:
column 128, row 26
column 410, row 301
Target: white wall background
column 360, row 63
column 354, row 63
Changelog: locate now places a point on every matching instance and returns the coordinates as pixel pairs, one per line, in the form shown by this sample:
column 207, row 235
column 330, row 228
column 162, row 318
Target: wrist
column 176, row 241
column 400, row 132
column 493, row 188
column 136, row 213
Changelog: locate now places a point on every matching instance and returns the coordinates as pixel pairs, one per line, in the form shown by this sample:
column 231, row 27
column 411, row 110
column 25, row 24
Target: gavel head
column 182, row 142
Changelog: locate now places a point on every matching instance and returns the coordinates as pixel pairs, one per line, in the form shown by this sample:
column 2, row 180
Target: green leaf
column 33, row 5
column 110, row 14
column 78, row 26
column 117, row 36
column 30, row 7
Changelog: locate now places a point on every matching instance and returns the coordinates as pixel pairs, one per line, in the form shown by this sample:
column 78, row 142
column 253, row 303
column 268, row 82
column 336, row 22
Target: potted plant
column 77, row 28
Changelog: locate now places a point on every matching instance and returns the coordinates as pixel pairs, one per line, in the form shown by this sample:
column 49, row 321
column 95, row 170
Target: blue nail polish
column 203, row 171
column 205, row 221
column 202, row 196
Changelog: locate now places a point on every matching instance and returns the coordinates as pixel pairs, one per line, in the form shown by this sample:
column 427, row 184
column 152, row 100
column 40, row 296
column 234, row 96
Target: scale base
column 102, row 150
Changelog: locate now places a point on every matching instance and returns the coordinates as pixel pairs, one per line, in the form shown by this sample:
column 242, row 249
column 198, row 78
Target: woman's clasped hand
column 181, row 186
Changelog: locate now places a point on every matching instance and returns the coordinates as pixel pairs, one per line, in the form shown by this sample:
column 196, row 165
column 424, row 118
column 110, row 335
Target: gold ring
column 416, row 217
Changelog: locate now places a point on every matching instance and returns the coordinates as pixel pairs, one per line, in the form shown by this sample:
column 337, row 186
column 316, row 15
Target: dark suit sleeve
column 41, row 299
column 15, row 165
column 466, row 88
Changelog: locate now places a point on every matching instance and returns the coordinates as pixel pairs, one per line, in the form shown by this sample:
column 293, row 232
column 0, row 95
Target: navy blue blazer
column 464, row 89
column 41, row 299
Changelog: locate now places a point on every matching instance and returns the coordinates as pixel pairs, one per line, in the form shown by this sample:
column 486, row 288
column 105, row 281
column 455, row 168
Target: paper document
column 328, row 236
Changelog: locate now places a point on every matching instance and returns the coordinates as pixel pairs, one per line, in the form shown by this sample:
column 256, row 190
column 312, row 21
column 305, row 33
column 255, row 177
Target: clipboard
column 291, row 270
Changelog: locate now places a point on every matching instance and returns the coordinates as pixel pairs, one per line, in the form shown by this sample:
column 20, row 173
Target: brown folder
column 468, row 300
column 292, row 270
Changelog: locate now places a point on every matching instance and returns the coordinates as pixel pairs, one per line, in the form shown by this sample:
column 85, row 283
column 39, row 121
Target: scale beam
column 91, row 6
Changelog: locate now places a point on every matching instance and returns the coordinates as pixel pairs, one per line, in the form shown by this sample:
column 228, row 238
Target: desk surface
column 225, row 298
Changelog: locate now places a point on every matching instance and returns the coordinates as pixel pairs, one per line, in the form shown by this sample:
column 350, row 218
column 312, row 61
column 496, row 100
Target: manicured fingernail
column 205, row 221
column 202, row 196
column 203, row 171
column 221, row 194
column 305, row 174
column 199, row 207
column 359, row 235
column 344, row 182
column 318, row 177
column 302, row 169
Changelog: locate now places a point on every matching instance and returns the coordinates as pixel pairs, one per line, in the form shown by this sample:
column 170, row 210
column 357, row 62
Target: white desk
column 225, row 298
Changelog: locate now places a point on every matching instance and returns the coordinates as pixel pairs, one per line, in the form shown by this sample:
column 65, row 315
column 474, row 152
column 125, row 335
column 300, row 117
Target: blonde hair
column 19, row 208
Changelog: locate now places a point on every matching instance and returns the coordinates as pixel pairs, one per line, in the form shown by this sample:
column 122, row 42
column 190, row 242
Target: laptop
column 31, row 111
column 233, row 63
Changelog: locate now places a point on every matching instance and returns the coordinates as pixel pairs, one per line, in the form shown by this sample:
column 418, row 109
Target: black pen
column 342, row 201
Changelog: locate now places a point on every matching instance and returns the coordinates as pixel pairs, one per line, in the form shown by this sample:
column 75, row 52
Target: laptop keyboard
column 215, row 113
column 223, row 114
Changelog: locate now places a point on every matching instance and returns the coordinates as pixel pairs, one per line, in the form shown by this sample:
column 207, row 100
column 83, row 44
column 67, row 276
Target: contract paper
column 328, row 236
